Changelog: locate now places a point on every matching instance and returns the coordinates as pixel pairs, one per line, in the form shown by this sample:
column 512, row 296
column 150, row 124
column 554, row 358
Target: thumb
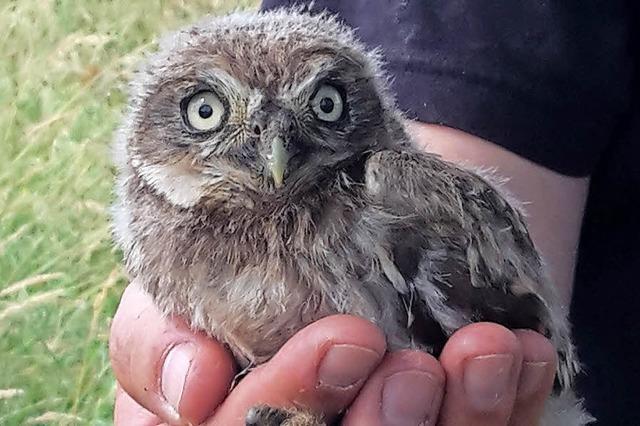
column 177, row 374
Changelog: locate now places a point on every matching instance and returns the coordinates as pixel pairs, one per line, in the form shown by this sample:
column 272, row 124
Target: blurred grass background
column 64, row 65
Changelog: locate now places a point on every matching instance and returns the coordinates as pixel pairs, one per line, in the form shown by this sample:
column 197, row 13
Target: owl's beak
column 278, row 158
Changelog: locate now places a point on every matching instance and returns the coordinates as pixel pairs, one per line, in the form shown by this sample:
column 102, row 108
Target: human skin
column 486, row 374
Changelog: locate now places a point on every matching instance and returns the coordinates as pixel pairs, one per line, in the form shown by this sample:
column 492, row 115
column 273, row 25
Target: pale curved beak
column 278, row 158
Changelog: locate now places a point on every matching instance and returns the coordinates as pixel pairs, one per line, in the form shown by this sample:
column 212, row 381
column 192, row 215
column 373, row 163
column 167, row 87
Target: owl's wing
column 464, row 252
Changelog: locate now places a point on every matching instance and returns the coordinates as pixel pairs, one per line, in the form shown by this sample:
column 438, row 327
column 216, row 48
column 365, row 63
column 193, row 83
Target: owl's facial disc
column 271, row 135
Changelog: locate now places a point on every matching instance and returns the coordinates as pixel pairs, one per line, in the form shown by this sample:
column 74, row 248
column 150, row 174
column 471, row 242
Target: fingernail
column 346, row 365
column 486, row 379
column 174, row 372
column 408, row 398
column 532, row 377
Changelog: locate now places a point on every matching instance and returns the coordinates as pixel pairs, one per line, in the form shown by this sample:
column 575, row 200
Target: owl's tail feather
column 565, row 410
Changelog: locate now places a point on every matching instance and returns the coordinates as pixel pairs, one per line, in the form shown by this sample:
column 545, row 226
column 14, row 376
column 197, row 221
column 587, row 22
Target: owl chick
column 266, row 181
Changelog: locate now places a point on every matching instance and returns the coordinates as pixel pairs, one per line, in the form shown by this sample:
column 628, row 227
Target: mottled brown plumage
column 266, row 181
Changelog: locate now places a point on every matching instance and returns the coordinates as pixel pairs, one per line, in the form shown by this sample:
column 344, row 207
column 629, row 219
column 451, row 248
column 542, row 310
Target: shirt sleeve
column 547, row 80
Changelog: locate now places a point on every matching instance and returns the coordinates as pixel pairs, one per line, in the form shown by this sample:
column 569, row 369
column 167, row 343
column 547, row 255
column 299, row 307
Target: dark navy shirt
column 557, row 82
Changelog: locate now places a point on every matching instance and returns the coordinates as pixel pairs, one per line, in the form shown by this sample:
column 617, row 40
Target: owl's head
column 254, row 107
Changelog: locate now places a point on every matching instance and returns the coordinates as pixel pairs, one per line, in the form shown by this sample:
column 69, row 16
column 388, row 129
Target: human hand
column 486, row 375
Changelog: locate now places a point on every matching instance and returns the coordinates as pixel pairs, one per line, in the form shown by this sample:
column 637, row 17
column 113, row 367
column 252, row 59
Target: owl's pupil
column 205, row 111
column 326, row 105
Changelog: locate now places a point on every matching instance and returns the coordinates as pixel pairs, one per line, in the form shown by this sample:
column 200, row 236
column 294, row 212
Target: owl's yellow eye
column 327, row 103
column 205, row 111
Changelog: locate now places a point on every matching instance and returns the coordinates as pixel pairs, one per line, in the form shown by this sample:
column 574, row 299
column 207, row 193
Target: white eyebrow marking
column 255, row 101
column 305, row 88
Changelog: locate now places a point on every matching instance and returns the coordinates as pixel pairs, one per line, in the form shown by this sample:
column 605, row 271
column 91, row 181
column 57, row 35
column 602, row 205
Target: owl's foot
column 264, row 415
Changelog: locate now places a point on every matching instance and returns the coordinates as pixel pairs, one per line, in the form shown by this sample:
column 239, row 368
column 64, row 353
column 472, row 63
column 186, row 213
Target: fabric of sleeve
column 547, row 80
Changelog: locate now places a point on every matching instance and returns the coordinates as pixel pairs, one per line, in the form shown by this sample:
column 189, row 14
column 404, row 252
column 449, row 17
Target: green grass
column 64, row 65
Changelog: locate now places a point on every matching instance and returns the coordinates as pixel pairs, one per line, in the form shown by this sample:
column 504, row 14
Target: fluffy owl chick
column 266, row 181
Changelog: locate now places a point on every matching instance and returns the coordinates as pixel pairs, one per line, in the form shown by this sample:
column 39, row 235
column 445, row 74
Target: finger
column 536, row 378
column 321, row 368
column 128, row 412
column 177, row 374
column 482, row 362
column 405, row 390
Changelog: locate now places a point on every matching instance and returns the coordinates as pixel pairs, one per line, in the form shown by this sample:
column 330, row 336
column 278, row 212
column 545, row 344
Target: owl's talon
column 264, row 415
